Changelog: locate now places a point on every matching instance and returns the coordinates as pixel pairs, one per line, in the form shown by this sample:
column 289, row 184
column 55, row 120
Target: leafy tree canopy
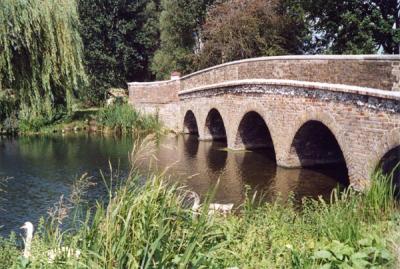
column 40, row 55
column 353, row 26
column 120, row 37
column 180, row 24
column 238, row 29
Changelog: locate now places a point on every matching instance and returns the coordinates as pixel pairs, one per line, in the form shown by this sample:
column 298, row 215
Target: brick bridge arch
column 190, row 123
column 320, row 125
column 389, row 141
column 387, row 156
column 353, row 102
column 214, row 126
column 253, row 132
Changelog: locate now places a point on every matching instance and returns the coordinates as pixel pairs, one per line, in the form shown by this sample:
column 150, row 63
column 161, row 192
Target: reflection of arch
column 256, row 170
column 314, row 144
column 191, row 144
column 215, row 127
column 253, row 132
column 216, row 156
column 314, row 184
column 390, row 163
column 190, row 123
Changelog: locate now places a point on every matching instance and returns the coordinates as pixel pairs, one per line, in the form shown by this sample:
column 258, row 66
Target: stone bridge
column 307, row 110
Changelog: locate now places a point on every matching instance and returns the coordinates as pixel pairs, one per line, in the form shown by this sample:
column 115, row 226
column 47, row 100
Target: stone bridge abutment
column 306, row 111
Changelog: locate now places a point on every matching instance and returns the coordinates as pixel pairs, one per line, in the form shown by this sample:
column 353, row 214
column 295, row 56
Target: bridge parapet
column 328, row 91
column 372, row 71
column 158, row 92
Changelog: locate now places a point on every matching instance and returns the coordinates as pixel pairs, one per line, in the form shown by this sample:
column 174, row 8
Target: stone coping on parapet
column 372, row 57
column 300, row 84
column 152, row 83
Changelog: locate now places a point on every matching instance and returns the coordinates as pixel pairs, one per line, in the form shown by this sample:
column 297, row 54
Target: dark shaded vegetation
column 120, row 38
column 243, row 29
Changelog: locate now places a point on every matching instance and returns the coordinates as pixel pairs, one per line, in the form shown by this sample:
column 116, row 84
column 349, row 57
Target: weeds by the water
column 147, row 226
column 118, row 117
column 124, row 117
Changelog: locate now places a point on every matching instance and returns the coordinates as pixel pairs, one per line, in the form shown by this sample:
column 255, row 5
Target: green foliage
column 239, row 29
column 180, row 23
column 125, row 117
column 372, row 252
column 8, row 113
column 8, row 251
column 197, row 34
column 353, row 27
column 40, row 55
column 119, row 37
column 164, row 234
column 38, row 123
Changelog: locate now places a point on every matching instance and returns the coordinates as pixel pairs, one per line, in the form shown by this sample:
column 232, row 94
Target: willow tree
column 40, row 56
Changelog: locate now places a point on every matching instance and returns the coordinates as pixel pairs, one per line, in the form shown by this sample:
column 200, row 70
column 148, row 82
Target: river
column 39, row 169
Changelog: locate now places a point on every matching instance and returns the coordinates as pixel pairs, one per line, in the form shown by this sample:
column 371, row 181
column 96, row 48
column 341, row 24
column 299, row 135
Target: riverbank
column 121, row 118
column 153, row 227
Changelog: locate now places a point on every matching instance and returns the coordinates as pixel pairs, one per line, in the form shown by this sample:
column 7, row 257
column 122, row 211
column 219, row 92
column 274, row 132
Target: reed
column 124, row 117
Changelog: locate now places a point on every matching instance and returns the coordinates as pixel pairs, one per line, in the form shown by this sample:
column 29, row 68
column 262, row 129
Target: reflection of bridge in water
column 200, row 164
column 305, row 111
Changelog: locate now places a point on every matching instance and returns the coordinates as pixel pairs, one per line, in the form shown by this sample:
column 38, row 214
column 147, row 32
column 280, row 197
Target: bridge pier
column 288, row 161
column 206, row 134
column 234, row 145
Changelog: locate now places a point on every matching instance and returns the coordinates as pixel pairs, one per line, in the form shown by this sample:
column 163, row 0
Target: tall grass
column 148, row 226
column 124, row 117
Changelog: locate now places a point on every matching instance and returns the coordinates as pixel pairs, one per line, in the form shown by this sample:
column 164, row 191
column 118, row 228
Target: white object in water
column 212, row 208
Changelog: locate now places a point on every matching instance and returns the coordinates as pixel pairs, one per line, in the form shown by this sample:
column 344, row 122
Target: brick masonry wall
column 364, row 132
column 168, row 114
column 358, row 100
column 380, row 72
column 160, row 92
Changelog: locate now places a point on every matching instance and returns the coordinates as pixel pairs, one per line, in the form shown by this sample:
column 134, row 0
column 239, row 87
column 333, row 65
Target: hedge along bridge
column 308, row 110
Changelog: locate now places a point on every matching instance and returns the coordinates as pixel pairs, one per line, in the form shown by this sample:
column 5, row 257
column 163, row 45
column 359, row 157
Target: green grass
column 147, row 226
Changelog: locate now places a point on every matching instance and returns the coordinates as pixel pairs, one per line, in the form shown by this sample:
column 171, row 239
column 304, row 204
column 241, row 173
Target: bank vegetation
column 150, row 224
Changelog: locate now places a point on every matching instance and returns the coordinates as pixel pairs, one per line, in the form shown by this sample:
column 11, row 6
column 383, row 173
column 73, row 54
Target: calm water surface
column 41, row 169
